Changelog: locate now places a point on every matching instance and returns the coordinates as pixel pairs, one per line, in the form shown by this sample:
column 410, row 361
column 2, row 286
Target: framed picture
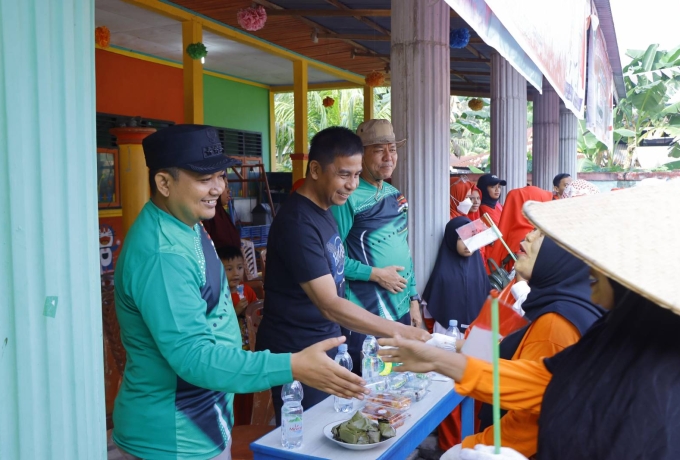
column 108, row 188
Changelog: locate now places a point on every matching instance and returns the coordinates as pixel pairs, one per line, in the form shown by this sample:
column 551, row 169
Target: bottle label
column 294, row 426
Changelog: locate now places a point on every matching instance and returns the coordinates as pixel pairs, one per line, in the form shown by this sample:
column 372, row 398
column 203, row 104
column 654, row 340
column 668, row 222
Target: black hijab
column 560, row 283
column 482, row 184
column 616, row 393
column 458, row 286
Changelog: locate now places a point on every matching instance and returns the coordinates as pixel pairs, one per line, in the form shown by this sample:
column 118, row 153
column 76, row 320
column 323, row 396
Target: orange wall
column 144, row 89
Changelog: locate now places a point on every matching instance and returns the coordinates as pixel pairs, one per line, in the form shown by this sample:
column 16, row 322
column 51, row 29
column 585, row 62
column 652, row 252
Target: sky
column 639, row 23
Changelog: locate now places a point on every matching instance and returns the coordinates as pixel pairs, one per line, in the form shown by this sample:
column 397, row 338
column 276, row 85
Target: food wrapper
column 394, row 417
column 396, row 401
column 361, row 430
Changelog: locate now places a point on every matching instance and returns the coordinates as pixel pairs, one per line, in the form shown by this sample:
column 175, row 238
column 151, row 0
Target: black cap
column 487, row 180
column 193, row 147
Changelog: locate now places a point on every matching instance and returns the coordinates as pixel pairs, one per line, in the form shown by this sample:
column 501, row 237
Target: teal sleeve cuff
column 355, row 270
column 279, row 370
column 363, row 272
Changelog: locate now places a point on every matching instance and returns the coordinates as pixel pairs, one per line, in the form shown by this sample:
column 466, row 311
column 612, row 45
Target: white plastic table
column 425, row 416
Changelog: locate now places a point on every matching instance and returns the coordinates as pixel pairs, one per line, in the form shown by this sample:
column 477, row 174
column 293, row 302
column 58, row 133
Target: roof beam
column 329, row 12
column 368, row 22
column 358, row 53
column 364, row 37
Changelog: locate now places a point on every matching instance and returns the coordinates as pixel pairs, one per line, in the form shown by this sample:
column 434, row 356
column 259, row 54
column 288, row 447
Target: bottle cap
column 342, row 348
column 453, row 322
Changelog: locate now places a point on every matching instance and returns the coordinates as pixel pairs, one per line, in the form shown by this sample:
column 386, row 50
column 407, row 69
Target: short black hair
column 174, row 173
column 336, row 141
column 228, row 253
column 559, row 177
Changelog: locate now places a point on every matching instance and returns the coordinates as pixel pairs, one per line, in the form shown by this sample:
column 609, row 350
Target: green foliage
column 470, row 129
column 348, row 111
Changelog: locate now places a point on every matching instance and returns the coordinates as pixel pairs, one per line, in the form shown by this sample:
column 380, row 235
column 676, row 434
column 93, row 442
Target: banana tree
column 652, row 80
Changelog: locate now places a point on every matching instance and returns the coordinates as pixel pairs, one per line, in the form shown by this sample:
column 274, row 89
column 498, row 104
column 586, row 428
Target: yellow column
column 134, row 175
column 192, row 32
column 272, row 133
column 368, row 102
column 299, row 158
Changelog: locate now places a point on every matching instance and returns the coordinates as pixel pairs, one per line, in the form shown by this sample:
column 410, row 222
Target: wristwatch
column 416, row 297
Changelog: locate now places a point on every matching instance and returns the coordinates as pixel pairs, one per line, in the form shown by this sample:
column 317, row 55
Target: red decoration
column 102, row 36
column 375, row 79
column 252, row 18
column 328, row 101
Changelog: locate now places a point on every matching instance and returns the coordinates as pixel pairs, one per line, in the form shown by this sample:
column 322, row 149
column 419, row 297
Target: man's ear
column 315, row 169
column 163, row 181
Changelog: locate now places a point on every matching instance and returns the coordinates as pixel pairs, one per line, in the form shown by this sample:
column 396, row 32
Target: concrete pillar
column 546, row 137
column 51, row 355
column 508, row 124
column 420, row 112
column 134, row 175
column 568, row 135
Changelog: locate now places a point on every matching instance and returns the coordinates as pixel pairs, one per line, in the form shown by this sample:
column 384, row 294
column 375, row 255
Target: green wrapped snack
column 361, row 430
column 386, row 430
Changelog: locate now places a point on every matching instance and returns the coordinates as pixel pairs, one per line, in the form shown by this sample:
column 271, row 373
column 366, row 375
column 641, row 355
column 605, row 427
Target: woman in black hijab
column 615, row 394
column 458, row 285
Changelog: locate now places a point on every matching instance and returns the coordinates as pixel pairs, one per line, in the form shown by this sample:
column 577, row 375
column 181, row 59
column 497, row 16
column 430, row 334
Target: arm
column 548, row 335
column 523, row 384
column 387, row 277
column 322, row 292
column 174, row 312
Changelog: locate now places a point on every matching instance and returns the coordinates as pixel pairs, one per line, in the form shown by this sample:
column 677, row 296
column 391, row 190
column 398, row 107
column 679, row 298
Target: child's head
column 232, row 260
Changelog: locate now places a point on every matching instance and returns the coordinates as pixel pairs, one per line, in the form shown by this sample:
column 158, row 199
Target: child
column 241, row 294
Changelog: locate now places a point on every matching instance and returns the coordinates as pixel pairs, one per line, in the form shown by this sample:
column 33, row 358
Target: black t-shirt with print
column 303, row 245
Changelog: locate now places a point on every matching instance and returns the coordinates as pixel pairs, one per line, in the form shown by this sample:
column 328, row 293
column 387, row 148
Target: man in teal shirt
column 178, row 326
column 373, row 225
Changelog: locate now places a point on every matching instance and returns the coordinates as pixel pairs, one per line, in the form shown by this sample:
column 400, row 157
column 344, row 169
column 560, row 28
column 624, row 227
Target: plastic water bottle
column 370, row 363
column 453, row 331
column 291, row 415
column 345, row 360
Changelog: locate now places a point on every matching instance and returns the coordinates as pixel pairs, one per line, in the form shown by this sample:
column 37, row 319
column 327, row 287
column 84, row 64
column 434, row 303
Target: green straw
column 496, row 378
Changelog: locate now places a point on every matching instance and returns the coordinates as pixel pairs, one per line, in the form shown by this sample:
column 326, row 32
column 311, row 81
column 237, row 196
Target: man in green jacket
column 373, row 225
column 178, row 326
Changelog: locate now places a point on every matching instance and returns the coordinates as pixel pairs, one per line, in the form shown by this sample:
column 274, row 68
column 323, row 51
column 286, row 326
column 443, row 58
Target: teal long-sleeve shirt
column 183, row 344
column 373, row 225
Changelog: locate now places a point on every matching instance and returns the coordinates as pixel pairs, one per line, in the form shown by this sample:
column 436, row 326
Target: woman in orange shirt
column 459, row 198
column 615, row 394
column 490, row 186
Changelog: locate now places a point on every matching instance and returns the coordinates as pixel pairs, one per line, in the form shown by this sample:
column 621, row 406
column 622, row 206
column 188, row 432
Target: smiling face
column 528, row 253
column 191, row 197
column 379, row 162
column 601, row 291
column 234, row 271
column 336, row 182
column 476, row 198
column 494, row 191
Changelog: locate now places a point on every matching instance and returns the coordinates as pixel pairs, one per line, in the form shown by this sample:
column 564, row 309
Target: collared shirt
column 183, row 344
column 373, row 225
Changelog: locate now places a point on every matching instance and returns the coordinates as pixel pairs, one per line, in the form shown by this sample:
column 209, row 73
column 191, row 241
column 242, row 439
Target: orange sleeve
column 548, row 335
column 522, row 383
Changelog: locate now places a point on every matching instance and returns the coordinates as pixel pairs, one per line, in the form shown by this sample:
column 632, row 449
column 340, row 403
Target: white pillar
column 508, row 124
column 51, row 356
column 568, row 135
column 546, row 137
column 420, row 75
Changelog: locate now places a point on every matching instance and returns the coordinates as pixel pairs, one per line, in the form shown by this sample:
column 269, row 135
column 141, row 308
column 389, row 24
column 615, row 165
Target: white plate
column 327, row 432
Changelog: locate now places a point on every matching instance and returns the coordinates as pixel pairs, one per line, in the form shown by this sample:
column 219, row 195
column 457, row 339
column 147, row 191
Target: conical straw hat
column 632, row 236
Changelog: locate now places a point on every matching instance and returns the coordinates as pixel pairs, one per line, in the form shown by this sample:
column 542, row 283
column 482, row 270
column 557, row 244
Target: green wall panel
column 229, row 104
column 51, row 357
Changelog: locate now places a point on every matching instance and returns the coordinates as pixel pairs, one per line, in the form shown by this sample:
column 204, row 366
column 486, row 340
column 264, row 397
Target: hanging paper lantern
column 459, row 38
column 252, row 18
column 102, row 36
column 375, row 79
column 328, row 101
column 197, row 50
column 475, row 104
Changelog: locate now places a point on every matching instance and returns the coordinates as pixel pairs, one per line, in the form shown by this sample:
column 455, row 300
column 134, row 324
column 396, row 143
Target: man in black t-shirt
column 305, row 281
